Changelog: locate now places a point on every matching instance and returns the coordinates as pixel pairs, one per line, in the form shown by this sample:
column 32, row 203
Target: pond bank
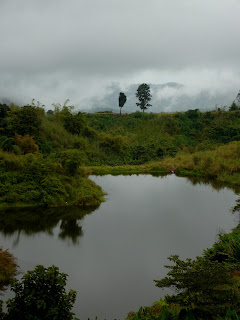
column 221, row 164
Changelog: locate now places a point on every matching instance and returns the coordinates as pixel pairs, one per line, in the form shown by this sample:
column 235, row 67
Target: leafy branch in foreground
column 206, row 287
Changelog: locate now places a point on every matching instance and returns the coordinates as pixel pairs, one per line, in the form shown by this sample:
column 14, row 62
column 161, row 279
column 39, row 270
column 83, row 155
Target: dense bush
column 33, row 180
column 26, row 120
column 71, row 160
column 227, row 248
column 206, row 287
column 41, row 295
column 26, row 144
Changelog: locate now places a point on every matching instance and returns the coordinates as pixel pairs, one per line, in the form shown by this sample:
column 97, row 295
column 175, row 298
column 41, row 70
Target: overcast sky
column 52, row 50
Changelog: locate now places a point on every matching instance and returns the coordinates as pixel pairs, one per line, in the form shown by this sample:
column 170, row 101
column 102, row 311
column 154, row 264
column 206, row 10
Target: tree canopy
column 144, row 96
column 204, row 286
column 122, row 99
column 41, row 295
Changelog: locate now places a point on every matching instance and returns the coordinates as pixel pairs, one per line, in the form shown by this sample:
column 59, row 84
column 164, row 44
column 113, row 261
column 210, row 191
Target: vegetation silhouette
column 29, row 221
column 40, row 295
column 122, row 99
column 144, row 96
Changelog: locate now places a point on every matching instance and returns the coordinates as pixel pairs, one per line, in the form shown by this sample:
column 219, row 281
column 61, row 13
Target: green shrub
column 16, row 149
column 206, row 287
column 71, row 159
column 41, row 295
column 117, row 144
column 227, row 248
column 26, row 144
column 26, row 120
column 7, row 144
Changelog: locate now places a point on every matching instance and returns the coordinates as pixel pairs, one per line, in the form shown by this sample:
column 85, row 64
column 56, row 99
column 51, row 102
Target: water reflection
column 216, row 185
column 195, row 180
column 29, row 221
column 125, row 243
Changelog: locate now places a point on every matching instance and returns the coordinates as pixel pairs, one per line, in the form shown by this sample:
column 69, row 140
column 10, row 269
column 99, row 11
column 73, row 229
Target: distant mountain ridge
column 167, row 97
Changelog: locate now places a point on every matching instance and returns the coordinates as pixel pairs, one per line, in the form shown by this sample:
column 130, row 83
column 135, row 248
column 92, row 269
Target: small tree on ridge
column 122, row 99
column 144, row 96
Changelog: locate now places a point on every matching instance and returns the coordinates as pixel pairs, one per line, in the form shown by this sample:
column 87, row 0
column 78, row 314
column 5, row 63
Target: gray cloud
column 53, row 50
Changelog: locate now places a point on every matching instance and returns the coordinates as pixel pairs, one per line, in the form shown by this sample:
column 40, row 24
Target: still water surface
column 113, row 252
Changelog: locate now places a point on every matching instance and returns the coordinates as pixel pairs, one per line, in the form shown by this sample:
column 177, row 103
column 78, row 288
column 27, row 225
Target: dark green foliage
column 53, row 191
column 31, row 180
column 227, row 248
column 113, row 143
column 141, row 154
column 224, row 134
column 233, row 107
column 89, row 132
column 41, row 295
column 137, row 115
column 26, row 120
column 74, row 123
column 162, row 311
column 71, row 159
column 46, row 147
column 144, row 96
column 193, row 114
column 7, row 144
column 141, row 115
column 204, row 286
column 3, row 111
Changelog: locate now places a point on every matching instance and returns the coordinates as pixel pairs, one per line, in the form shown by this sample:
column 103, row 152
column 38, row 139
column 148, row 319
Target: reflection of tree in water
column 70, row 229
column 216, row 185
column 29, row 221
column 236, row 208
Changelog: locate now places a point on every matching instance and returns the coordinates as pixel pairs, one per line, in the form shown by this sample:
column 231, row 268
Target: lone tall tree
column 122, row 99
column 144, row 96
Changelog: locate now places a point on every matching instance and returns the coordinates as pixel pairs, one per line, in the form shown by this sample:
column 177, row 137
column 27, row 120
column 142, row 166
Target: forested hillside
column 45, row 156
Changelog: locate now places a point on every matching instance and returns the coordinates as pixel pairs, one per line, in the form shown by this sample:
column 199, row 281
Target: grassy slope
column 30, row 180
column 185, row 143
column 222, row 164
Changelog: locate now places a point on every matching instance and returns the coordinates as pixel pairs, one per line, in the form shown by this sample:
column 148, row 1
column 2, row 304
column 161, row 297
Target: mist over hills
column 167, row 97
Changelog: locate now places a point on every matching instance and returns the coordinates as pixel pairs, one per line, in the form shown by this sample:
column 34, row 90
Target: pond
column 112, row 253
